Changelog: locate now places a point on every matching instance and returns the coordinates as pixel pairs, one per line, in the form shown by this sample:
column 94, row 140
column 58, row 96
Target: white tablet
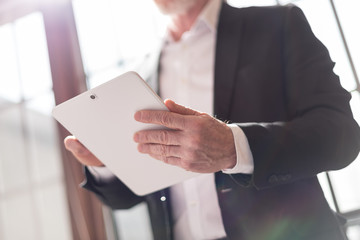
column 103, row 121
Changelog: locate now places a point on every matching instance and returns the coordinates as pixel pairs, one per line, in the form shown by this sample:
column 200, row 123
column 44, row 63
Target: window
column 33, row 203
column 113, row 41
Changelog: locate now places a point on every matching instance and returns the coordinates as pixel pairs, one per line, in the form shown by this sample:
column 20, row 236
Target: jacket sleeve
column 111, row 192
column 321, row 134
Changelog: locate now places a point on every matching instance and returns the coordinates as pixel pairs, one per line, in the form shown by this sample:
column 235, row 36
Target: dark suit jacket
column 275, row 80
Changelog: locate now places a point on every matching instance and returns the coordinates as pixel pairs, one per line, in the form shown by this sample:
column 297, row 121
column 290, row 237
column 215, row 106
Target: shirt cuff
column 244, row 157
column 101, row 174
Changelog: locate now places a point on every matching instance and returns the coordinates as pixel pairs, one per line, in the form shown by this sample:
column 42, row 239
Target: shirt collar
column 210, row 14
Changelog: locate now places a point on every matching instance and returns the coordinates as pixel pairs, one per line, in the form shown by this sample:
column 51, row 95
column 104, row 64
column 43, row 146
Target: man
column 263, row 70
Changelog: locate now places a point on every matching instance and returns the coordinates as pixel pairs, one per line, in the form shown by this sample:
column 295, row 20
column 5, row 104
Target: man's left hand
column 194, row 141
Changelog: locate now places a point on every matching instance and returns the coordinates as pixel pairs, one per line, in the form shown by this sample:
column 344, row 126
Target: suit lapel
column 226, row 59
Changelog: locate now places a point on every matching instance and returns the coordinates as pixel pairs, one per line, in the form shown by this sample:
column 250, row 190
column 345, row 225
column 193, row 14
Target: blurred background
column 51, row 50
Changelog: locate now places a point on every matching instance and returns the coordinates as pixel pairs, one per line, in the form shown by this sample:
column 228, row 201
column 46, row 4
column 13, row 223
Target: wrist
column 231, row 161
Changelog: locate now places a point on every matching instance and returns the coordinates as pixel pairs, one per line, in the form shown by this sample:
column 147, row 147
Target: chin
column 171, row 7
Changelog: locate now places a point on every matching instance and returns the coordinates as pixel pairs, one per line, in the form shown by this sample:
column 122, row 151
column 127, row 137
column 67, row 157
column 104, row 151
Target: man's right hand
column 81, row 153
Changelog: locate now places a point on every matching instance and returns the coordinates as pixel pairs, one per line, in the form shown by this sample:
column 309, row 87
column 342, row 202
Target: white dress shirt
column 187, row 77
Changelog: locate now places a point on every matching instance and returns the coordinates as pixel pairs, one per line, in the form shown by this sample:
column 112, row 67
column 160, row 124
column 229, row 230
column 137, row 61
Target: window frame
column 68, row 77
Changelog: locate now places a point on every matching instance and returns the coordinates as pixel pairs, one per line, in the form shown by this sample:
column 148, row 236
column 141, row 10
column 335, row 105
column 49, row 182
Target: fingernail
column 137, row 116
column 136, row 137
column 68, row 144
column 71, row 146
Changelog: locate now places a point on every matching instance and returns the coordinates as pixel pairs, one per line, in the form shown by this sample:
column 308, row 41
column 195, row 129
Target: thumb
column 81, row 153
column 177, row 108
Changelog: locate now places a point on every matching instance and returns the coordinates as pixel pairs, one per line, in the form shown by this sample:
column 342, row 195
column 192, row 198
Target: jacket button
column 273, row 179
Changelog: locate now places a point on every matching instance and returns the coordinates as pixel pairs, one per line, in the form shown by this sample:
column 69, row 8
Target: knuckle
column 163, row 159
column 165, row 118
column 164, row 137
column 144, row 116
column 162, row 150
column 147, row 137
column 182, row 123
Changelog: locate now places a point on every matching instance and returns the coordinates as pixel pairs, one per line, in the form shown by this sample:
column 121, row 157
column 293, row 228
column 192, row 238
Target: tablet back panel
column 103, row 121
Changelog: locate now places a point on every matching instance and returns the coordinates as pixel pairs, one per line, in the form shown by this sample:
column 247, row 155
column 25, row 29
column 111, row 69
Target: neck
column 180, row 23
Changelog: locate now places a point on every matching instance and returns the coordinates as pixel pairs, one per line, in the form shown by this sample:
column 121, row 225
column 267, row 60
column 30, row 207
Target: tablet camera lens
column 92, row 96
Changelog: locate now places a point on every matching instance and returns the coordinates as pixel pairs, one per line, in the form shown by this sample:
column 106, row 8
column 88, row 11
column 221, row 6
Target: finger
column 165, row 118
column 167, row 137
column 177, row 108
column 179, row 162
column 175, row 161
column 80, row 152
column 159, row 149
